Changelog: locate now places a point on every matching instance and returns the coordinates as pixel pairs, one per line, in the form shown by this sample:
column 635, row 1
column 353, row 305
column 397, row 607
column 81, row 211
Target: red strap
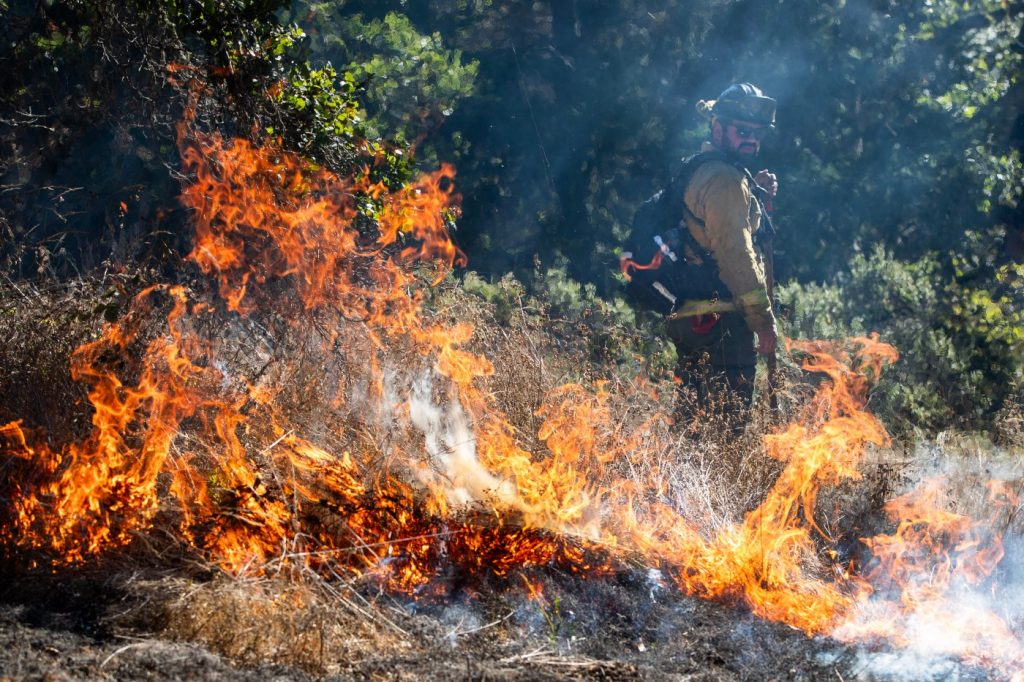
column 703, row 324
column 629, row 266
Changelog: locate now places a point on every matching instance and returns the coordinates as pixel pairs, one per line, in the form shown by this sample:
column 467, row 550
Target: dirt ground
column 626, row 627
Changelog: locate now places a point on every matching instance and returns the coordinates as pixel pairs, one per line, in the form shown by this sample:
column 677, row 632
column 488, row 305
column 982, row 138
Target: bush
column 609, row 332
column 959, row 326
column 410, row 82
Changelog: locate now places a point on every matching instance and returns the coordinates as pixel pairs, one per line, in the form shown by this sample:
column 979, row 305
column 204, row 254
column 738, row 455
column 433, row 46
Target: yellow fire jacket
column 723, row 215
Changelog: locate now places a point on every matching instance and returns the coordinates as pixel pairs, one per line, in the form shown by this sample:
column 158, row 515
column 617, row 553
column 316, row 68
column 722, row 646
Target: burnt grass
column 117, row 625
column 158, row 612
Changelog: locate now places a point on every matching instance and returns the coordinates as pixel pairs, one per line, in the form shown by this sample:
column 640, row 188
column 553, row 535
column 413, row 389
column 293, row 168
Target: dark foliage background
column 898, row 147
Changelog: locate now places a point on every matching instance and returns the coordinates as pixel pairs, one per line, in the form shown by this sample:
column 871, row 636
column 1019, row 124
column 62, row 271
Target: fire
column 93, row 495
column 921, row 569
column 458, row 492
column 260, row 216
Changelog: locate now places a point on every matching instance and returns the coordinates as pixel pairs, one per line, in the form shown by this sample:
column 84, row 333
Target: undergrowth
column 314, row 367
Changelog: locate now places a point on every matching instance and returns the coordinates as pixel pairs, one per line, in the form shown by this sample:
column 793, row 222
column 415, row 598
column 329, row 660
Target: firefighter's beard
column 744, row 153
column 747, row 150
column 741, row 149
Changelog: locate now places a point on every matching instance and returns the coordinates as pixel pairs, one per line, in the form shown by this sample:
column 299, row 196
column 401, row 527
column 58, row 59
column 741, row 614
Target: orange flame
column 920, row 571
column 246, row 490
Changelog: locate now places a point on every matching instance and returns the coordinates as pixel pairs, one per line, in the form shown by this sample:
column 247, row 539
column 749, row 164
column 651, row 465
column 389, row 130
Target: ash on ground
column 541, row 625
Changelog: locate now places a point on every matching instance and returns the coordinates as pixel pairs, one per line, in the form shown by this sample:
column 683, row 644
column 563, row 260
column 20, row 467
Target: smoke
column 459, row 620
column 968, row 619
column 908, row 665
column 389, row 399
column 971, row 619
column 451, row 448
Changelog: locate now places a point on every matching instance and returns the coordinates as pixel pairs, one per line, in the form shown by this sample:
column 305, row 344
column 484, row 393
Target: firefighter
column 715, row 335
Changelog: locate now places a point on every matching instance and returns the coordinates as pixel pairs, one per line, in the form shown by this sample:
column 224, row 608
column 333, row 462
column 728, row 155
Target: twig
column 272, row 445
column 368, row 611
column 122, row 650
column 568, row 663
column 542, row 651
column 483, row 627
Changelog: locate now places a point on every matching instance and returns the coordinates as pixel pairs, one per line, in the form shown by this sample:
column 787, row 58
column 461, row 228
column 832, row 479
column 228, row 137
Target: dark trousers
column 715, row 370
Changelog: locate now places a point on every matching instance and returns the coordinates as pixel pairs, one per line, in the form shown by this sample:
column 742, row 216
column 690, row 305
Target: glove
column 766, row 341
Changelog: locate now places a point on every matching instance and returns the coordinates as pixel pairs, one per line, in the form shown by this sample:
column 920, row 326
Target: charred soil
column 98, row 625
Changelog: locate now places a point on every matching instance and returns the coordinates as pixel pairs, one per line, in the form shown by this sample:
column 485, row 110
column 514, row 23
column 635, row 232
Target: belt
column 693, row 308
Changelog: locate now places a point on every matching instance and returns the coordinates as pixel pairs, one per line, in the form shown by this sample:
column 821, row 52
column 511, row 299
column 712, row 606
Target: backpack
column 654, row 259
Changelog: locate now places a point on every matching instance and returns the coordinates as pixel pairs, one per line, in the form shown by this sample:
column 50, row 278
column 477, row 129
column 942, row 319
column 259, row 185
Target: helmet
column 745, row 102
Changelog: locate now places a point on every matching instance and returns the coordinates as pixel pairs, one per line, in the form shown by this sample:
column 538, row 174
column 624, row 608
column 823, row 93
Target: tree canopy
column 899, row 123
column 899, row 128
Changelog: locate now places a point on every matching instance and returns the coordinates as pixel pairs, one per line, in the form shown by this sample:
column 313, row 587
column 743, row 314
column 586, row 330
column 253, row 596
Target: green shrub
column 410, row 81
column 959, row 327
column 612, row 335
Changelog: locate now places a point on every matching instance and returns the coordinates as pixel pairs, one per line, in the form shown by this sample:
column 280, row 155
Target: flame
column 180, row 441
column 95, row 494
column 261, row 216
column 767, row 560
column 922, row 569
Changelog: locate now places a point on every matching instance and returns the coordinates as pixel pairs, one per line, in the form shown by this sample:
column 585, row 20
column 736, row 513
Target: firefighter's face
column 741, row 138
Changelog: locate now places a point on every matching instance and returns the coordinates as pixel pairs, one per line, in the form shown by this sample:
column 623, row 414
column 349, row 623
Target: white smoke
column 938, row 633
column 451, row 447
column 908, row 665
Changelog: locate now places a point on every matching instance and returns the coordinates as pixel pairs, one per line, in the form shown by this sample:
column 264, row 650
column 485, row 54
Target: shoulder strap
column 689, row 168
column 678, row 187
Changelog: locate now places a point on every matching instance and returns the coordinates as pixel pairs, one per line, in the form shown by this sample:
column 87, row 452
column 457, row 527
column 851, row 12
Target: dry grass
column 315, row 366
column 317, row 626
column 41, row 325
column 966, row 463
column 710, row 475
column 1009, row 426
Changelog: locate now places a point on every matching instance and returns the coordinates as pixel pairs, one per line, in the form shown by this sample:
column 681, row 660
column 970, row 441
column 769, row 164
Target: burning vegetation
column 300, row 411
